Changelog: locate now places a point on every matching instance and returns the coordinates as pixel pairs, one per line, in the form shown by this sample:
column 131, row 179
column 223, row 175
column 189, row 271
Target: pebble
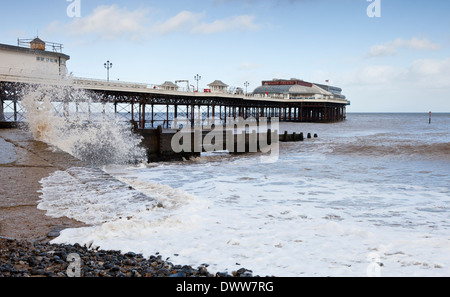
column 25, row 259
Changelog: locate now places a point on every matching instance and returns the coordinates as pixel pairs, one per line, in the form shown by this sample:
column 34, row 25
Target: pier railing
column 149, row 105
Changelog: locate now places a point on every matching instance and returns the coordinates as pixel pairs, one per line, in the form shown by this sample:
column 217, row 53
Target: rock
column 37, row 272
column 178, row 274
column 115, row 269
column 23, row 259
column 53, row 233
column 203, row 271
column 222, row 274
column 163, row 272
column 108, row 265
column 242, row 272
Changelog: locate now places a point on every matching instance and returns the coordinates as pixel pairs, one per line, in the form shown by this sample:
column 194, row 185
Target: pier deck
column 151, row 107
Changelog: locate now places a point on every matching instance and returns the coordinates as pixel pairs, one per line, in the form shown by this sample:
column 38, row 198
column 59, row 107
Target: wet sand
column 25, row 231
column 23, row 163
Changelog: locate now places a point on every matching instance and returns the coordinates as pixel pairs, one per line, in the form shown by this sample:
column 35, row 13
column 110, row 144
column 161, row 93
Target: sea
column 370, row 196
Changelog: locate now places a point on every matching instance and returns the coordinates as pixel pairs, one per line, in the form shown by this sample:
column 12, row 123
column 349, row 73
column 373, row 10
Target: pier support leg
column 192, row 115
column 153, row 116
column 15, row 109
column 2, row 111
column 143, row 116
column 167, row 116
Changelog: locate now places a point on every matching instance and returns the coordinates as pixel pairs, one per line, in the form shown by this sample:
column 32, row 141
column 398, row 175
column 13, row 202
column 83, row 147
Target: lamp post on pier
column 246, row 84
column 197, row 78
column 108, row 65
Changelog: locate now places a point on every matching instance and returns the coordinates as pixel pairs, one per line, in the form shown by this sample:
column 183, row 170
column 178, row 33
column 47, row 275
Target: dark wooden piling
column 158, row 142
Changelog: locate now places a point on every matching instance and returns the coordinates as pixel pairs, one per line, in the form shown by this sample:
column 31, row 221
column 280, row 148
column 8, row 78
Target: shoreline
column 24, row 163
column 26, row 231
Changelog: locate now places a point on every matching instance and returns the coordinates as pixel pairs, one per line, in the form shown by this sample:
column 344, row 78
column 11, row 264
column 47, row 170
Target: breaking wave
column 77, row 122
column 408, row 149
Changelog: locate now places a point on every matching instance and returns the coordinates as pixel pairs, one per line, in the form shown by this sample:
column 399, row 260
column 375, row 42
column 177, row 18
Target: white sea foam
column 316, row 212
column 90, row 196
column 323, row 227
column 71, row 120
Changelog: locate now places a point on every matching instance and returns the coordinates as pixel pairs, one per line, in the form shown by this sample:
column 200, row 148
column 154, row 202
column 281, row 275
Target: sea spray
column 40, row 115
column 67, row 118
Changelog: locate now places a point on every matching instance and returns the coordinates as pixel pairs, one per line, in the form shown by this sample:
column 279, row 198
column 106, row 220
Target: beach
column 369, row 197
column 24, row 163
column 26, row 231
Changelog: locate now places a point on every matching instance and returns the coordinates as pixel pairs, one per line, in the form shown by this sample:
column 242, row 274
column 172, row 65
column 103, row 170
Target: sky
column 386, row 55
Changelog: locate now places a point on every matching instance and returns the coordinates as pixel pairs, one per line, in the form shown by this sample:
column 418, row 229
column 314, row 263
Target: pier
column 30, row 64
column 154, row 109
column 150, row 107
column 152, row 112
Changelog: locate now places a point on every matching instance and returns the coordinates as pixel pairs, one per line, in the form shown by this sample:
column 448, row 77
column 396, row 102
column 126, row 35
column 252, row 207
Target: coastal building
column 297, row 89
column 218, row 86
column 337, row 92
column 168, row 86
column 32, row 58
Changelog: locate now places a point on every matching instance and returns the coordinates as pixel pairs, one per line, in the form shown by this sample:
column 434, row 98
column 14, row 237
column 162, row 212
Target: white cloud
column 110, row 22
column 192, row 22
column 240, row 22
column 373, row 75
column 181, row 21
column 422, row 85
column 432, row 73
column 390, row 48
column 420, row 74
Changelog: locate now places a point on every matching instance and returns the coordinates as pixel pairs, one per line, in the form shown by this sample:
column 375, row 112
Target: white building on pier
column 31, row 58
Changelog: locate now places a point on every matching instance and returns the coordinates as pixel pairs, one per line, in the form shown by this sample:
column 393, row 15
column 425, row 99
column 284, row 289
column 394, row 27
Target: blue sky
column 399, row 62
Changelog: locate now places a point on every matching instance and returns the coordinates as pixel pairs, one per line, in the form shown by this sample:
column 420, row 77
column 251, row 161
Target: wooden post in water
column 429, row 120
column 159, row 140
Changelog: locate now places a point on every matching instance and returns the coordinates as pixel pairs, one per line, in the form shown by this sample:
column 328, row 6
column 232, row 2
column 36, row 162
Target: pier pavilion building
column 33, row 58
column 296, row 89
